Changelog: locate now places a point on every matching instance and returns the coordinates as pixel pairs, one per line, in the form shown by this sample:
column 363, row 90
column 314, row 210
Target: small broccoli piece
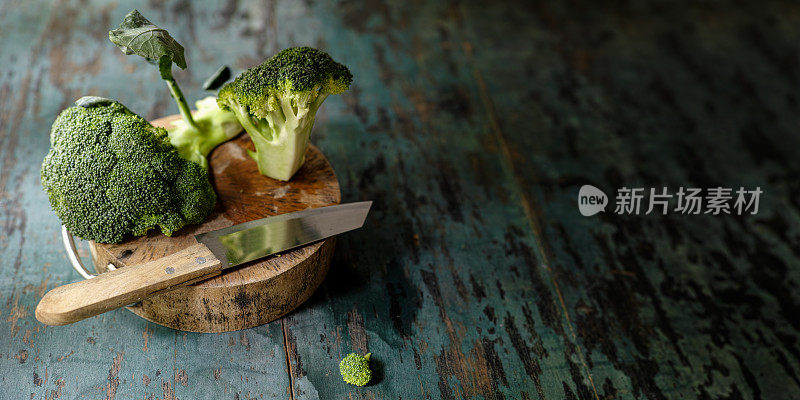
column 276, row 103
column 355, row 369
column 110, row 173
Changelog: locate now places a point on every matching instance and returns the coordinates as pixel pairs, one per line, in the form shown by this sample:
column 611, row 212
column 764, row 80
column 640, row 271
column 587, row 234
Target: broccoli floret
column 276, row 103
column 110, row 173
column 355, row 369
column 197, row 133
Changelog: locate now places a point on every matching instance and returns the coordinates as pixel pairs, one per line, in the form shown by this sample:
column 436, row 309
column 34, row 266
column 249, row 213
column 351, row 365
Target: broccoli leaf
column 137, row 35
column 193, row 137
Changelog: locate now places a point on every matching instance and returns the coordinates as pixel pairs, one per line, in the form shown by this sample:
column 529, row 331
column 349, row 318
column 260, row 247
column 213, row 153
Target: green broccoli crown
column 276, row 103
column 295, row 71
column 355, row 369
column 110, row 173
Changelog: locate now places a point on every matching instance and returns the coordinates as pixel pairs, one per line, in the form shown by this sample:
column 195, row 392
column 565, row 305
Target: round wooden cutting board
column 257, row 292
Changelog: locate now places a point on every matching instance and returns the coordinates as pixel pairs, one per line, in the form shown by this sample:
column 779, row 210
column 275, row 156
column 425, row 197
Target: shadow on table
column 367, row 270
column 376, row 365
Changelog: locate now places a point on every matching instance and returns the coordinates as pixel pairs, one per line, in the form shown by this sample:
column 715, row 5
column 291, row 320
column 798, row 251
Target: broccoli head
column 110, row 173
column 355, row 369
column 276, row 103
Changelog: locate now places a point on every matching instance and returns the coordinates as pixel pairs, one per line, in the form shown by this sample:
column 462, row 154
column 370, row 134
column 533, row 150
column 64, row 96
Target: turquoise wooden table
column 472, row 125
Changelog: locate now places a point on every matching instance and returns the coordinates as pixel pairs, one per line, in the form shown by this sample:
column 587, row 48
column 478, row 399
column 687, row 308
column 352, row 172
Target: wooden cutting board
column 257, row 292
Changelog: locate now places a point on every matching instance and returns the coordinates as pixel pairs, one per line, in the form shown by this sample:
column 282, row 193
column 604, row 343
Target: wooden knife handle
column 111, row 290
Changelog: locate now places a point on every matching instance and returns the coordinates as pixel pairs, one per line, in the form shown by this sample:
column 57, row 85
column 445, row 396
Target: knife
column 214, row 252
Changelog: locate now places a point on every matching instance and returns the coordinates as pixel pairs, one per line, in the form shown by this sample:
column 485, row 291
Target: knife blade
column 215, row 251
column 252, row 240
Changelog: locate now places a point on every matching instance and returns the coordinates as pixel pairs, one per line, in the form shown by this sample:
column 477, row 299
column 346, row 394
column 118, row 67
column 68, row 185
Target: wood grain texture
column 471, row 125
column 257, row 292
column 83, row 299
column 669, row 306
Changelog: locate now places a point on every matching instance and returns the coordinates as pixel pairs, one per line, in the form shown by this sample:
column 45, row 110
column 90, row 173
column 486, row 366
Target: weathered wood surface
column 472, row 125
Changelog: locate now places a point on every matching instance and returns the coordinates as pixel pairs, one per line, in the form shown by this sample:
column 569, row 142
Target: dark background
column 471, row 125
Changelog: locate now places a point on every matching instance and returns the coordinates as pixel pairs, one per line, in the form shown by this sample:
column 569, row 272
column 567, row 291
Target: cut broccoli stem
column 196, row 135
column 318, row 101
column 165, row 68
column 281, row 157
column 281, row 138
column 186, row 113
column 212, row 127
column 249, row 125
